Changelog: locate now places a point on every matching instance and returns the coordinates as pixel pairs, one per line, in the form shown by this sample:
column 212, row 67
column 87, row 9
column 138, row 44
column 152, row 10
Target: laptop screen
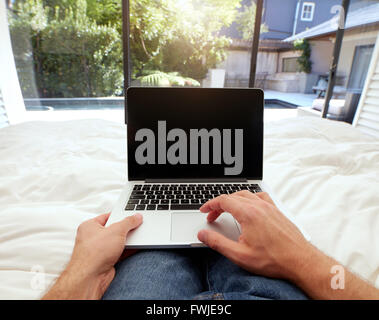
column 194, row 133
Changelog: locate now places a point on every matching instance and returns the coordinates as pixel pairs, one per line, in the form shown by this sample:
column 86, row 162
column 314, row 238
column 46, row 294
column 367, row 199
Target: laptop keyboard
column 180, row 196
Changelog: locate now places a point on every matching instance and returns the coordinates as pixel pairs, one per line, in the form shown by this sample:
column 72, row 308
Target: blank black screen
column 196, row 108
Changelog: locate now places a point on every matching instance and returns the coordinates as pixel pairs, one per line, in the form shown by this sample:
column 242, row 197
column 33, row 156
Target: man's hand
column 273, row 246
column 91, row 268
column 269, row 242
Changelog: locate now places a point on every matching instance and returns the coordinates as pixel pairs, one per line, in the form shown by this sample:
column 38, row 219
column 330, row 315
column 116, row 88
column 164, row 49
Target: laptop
column 187, row 146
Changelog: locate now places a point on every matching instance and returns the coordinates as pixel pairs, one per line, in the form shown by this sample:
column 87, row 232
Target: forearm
column 313, row 274
column 74, row 284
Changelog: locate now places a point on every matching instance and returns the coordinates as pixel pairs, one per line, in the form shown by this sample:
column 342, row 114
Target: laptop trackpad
column 186, row 225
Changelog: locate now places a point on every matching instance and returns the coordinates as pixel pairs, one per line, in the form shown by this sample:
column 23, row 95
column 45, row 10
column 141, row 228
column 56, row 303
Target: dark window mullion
column 126, row 48
column 255, row 44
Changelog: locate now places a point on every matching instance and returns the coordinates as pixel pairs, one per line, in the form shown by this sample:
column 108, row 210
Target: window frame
column 350, row 80
column 312, row 11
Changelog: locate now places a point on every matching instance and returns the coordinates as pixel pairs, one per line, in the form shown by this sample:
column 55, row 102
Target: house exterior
column 277, row 67
column 286, row 18
column 367, row 118
column 361, row 30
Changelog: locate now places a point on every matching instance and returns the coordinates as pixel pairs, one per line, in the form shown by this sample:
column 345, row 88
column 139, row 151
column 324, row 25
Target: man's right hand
column 272, row 246
column 269, row 245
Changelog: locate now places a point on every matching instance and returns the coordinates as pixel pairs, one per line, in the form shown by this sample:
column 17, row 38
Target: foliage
column 182, row 36
column 73, row 48
column 246, row 20
column 72, row 56
column 162, row 79
column 304, row 60
column 105, row 12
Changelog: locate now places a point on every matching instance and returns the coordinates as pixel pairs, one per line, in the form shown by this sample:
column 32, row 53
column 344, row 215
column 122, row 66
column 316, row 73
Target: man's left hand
column 97, row 249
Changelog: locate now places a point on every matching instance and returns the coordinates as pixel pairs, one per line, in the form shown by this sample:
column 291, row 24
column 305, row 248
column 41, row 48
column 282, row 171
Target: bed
column 55, row 175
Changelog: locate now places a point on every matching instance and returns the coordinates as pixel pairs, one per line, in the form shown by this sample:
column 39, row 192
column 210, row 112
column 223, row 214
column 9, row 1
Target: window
column 290, row 65
column 308, row 11
column 68, row 54
column 191, row 43
column 359, row 69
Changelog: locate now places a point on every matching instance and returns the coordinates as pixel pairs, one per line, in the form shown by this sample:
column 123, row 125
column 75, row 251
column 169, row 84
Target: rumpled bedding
column 54, row 175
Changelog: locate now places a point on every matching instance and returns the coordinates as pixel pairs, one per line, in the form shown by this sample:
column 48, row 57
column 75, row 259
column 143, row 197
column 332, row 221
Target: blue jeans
column 192, row 274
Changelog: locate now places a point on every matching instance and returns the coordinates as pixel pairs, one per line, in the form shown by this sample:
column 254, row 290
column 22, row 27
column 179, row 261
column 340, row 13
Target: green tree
column 152, row 25
column 246, row 20
column 182, row 36
column 72, row 55
column 75, row 46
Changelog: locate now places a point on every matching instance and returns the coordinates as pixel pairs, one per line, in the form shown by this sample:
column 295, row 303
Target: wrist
column 76, row 283
column 311, row 272
column 301, row 261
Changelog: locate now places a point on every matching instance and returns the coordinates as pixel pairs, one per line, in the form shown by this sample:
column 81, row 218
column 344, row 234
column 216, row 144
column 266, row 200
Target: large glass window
column 68, row 53
column 191, row 42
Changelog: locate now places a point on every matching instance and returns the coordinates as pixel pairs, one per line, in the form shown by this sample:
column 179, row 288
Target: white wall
column 9, row 85
column 267, row 62
column 237, row 66
column 321, row 55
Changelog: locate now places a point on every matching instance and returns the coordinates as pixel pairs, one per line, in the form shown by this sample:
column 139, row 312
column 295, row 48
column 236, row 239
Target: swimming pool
column 278, row 104
column 115, row 103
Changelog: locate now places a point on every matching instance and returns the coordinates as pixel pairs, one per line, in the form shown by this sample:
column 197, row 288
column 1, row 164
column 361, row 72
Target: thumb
column 129, row 223
column 220, row 243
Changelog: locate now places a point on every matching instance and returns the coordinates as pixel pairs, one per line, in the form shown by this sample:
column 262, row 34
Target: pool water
column 279, row 104
column 106, row 105
column 274, row 106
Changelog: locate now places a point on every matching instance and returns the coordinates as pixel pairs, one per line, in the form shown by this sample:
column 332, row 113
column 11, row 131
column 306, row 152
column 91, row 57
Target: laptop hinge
column 196, row 180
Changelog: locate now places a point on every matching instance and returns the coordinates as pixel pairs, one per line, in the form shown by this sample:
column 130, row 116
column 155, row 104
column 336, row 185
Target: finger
column 213, row 215
column 129, row 223
column 102, row 219
column 225, row 203
column 265, row 196
column 246, row 194
column 219, row 243
column 235, row 205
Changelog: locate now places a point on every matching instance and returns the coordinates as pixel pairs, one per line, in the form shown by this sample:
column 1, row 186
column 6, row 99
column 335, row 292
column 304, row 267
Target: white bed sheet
column 53, row 176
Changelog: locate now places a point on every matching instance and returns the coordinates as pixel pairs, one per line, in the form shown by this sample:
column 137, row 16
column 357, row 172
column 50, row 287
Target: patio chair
column 321, row 86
